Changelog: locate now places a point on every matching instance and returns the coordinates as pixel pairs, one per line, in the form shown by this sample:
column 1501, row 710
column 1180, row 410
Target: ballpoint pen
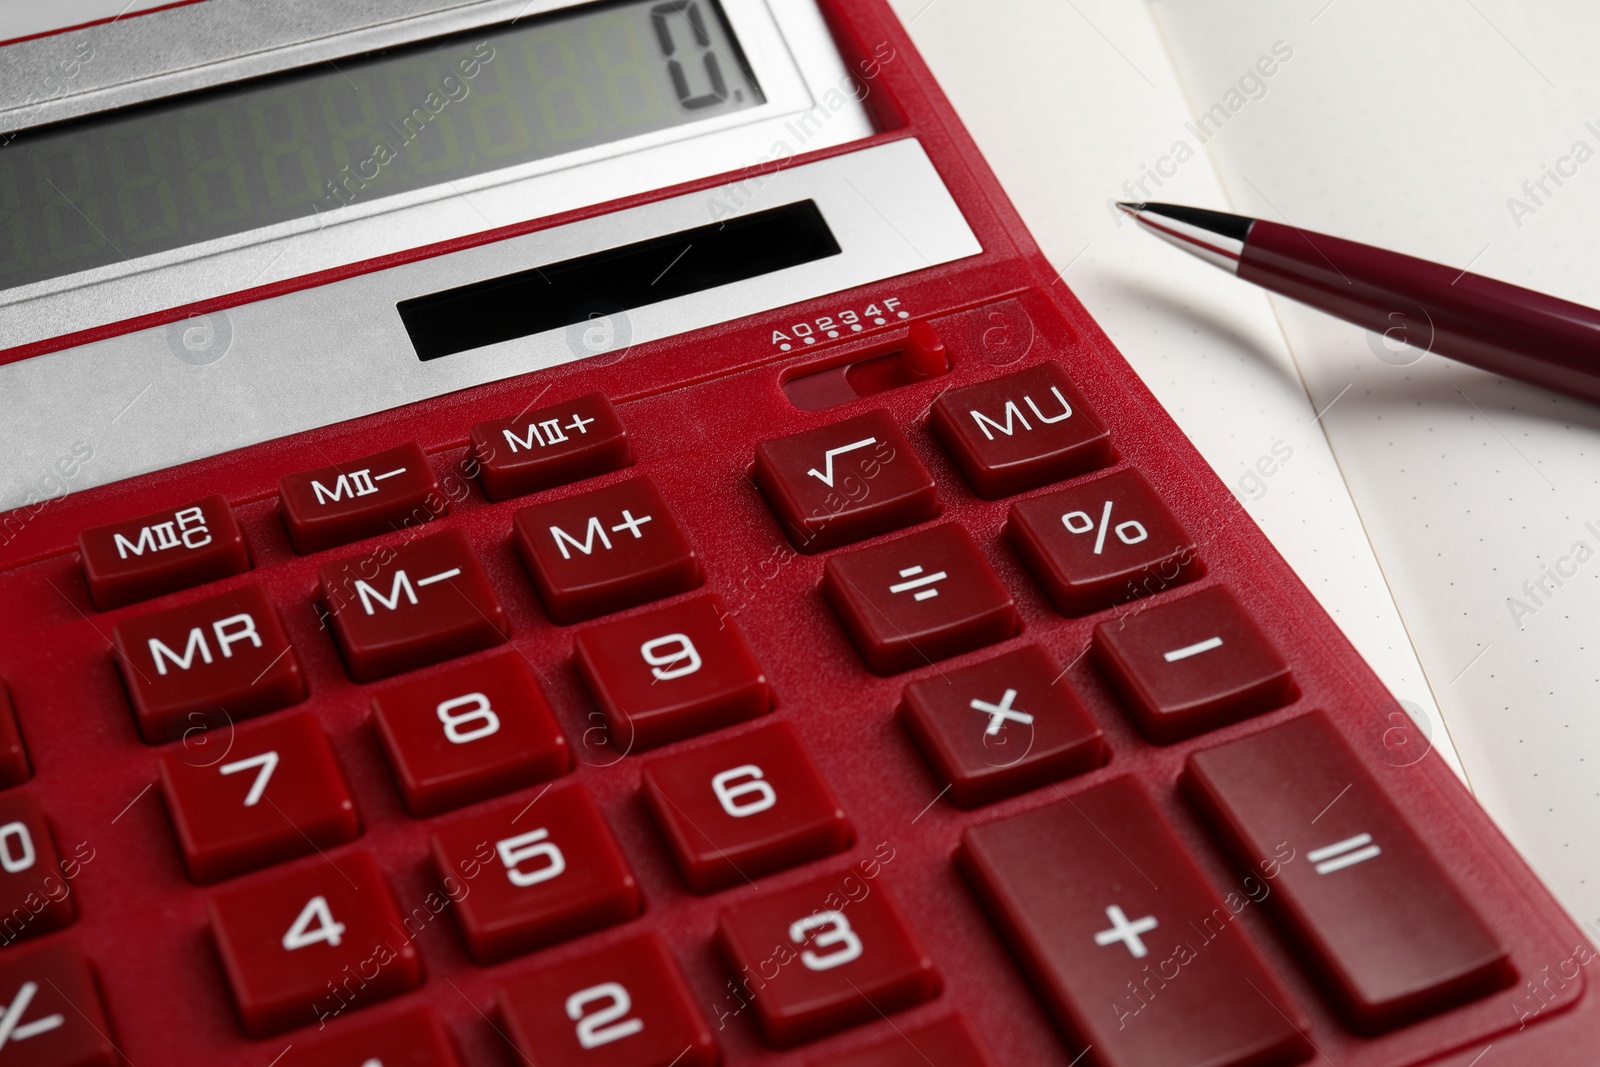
column 1490, row 324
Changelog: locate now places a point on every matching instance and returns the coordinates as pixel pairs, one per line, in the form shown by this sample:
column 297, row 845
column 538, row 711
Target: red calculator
column 587, row 534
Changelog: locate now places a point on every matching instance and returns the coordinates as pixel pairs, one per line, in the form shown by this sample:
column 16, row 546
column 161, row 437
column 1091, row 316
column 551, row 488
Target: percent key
column 1101, row 542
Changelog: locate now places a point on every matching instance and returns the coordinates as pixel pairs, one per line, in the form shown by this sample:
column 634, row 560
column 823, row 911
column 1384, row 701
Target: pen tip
column 1130, row 207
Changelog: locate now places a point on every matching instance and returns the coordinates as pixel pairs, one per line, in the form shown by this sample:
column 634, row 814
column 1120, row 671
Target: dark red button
column 405, row 607
column 919, row 598
column 375, row 494
column 1020, row 431
column 1120, row 936
column 1385, row 928
column 475, row 731
column 137, row 559
column 414, row 1039
column 1191, row 665
column 14, row 768
column 273, row 793
column 1002, row 727
column 849, row 957
column 35, row 883
column 217, row 660
column 605, row 550
column 290, row 942
column 622, row 1006
column 844, row 482
column 671, row 673
column 745, row 806
column 549, row 446
column 950, row 1042
column 1101, row 542
column 536, row 871
column 53, row 1015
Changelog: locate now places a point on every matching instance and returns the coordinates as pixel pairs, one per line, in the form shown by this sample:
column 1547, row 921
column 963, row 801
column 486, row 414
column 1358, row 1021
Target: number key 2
column 276, row 793
column 622, row 1006
column 1100, row 542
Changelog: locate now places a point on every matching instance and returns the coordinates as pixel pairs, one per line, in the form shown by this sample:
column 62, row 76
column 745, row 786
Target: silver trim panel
column 164, row 396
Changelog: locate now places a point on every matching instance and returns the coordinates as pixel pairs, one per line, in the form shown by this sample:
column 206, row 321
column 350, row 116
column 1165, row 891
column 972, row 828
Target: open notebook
column 1449, row 520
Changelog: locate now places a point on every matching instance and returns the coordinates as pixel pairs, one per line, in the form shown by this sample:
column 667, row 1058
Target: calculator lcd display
column 217, row 162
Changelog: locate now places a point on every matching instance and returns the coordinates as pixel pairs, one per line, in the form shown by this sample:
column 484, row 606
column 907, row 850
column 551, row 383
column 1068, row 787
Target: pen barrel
column 1490, row 324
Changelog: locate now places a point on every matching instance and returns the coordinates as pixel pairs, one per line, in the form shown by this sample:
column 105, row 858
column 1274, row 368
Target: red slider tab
column 133, row 560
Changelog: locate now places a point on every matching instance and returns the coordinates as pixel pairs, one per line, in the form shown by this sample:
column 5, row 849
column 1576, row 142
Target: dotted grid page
column 1074, row 105
column 1467, row 133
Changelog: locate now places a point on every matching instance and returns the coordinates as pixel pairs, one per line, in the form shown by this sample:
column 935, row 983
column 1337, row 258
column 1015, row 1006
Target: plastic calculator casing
column 696, row 406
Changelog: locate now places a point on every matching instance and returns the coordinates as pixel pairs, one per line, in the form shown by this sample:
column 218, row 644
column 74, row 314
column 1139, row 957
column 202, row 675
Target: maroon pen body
column 1499, row 327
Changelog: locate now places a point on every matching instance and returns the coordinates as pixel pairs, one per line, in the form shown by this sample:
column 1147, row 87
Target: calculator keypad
column 125, row 562
column 843, row 954
column 1192, row 664
column 605, row 550
column 919, row 598
column 549, row 446
column 671, row 673
column 480, row 729
column 291, row 940
column 53, row 1014
column 359, row 498
column 1380, row 922
column 213, row 661
column 422, row 602
column 744, row 807
column 272, row 792
column 1100, row 542
column 528, row 873
column 1130, row 948
column 626, row 1005
column 1002, row 727
column 522, row 854
column 845, row 482
column 1020, row 431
